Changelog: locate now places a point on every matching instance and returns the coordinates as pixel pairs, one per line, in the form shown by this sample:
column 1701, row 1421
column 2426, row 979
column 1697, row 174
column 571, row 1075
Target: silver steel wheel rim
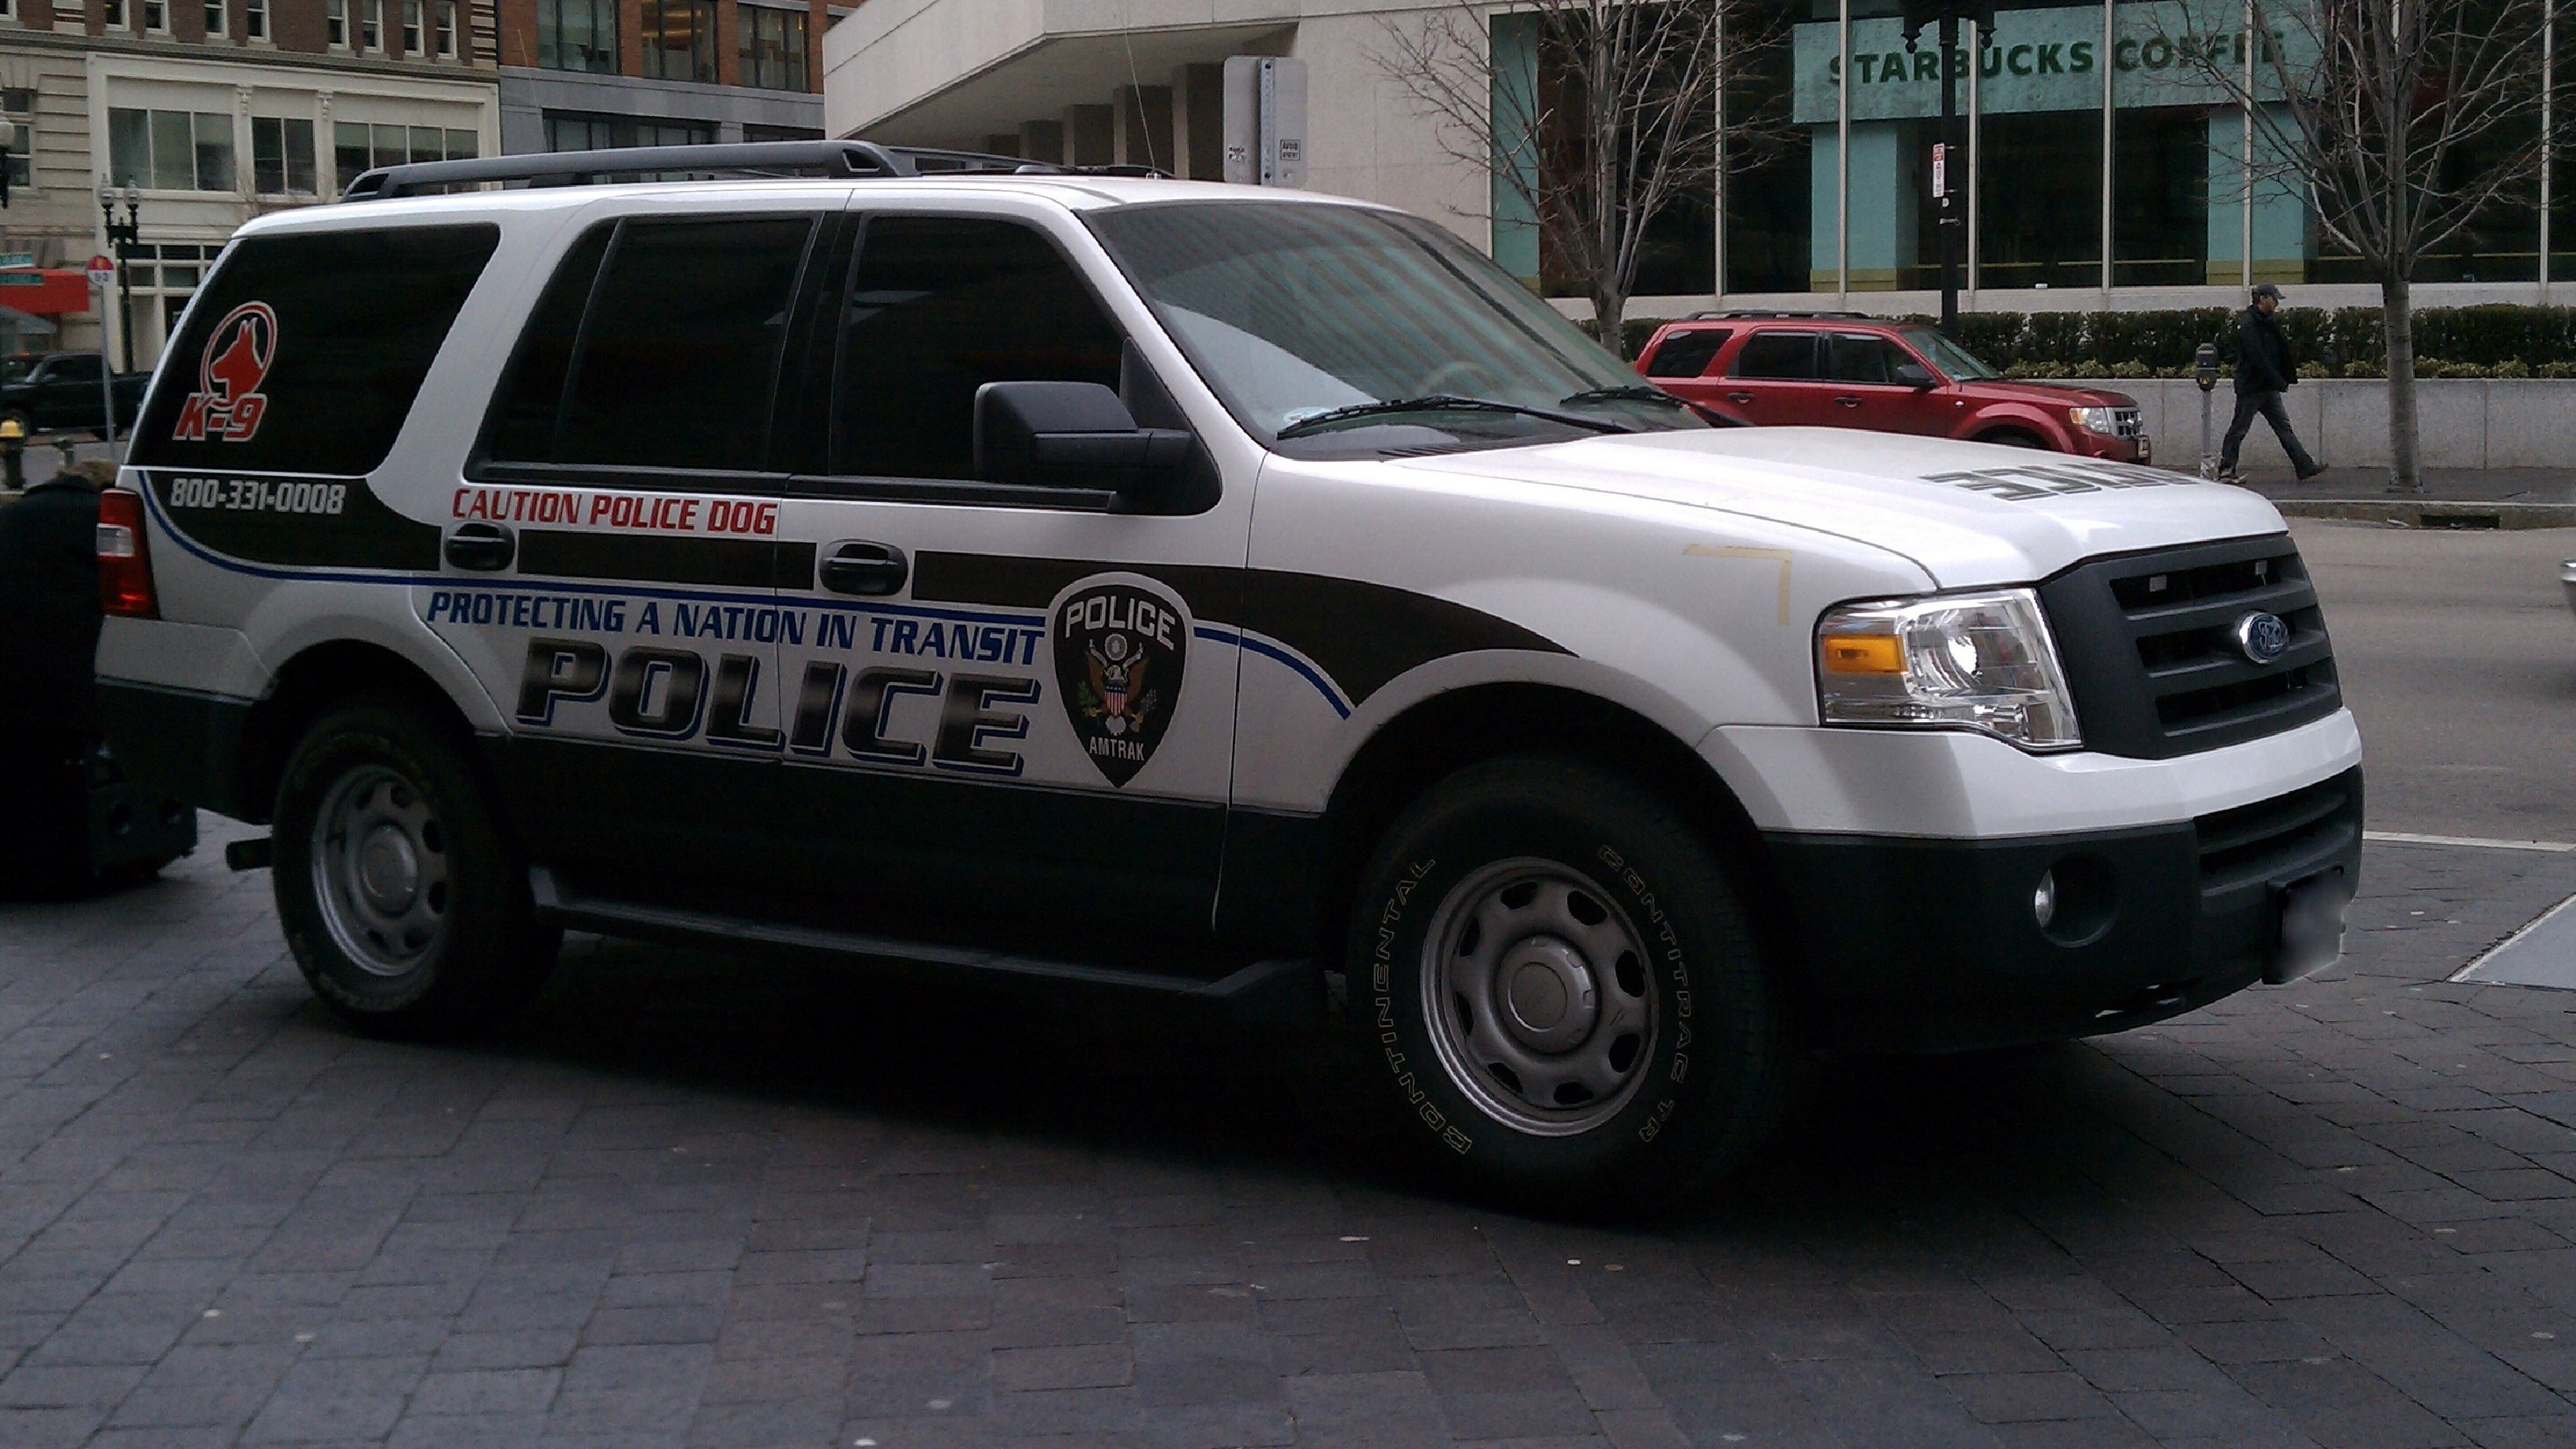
column 380, row 871
column 1535, row 987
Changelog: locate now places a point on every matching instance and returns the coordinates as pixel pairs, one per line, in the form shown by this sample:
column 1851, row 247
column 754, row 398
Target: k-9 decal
column 228, row 405
column 1121, row 647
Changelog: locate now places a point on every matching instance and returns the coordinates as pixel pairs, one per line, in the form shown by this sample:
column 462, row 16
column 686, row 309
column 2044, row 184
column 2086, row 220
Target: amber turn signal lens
column 1863, row 654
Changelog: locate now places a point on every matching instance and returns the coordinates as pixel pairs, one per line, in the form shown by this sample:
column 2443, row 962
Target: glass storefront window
column 2160, row 198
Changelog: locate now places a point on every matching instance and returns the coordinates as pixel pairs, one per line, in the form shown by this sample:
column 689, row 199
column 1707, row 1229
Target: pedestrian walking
column 49, row 626
column 2264, row 372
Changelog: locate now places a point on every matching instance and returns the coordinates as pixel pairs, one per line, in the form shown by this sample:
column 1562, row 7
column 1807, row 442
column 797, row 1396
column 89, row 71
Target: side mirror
column 1916, row 376
column 1072, row 435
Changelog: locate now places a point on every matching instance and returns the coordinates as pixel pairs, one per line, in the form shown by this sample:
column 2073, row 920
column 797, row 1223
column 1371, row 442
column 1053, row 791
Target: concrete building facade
column 213, row 112
column 578, row 74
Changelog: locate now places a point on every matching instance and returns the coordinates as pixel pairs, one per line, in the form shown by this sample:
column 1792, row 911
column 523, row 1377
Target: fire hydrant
column 13, row 453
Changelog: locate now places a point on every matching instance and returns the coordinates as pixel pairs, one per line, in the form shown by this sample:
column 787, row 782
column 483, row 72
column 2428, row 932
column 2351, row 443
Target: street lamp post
column 123, row 237
column 1949, row 168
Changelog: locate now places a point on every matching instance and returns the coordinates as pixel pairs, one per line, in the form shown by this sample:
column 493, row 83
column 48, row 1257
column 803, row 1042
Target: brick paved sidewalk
column 698, row 1202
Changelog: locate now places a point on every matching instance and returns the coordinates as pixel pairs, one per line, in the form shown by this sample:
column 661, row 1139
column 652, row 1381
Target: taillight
column 124, row 561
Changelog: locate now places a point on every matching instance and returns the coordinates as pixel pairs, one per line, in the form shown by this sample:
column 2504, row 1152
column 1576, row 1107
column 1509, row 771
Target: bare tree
column 1620, row 115
column 2400, row 120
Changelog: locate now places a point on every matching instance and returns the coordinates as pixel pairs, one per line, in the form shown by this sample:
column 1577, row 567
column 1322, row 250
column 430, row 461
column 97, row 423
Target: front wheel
column 1560, row 989
column 402, row 900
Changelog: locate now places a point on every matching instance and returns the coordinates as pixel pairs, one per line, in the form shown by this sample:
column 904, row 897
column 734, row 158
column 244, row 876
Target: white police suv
column 1130, row 583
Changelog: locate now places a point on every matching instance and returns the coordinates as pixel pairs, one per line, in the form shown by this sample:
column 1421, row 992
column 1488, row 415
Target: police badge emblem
column 1121, row 647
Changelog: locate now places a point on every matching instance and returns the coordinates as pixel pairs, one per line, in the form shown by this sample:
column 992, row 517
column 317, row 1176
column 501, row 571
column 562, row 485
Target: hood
column 2051, row 394
column 1970, row 514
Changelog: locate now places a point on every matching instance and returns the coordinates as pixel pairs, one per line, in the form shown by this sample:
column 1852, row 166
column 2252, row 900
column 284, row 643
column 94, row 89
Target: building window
column 754, row 131
column 214, row 19
column 358, row 147
column 773, row 47
column 573, row 131
column 18, row 103
column 335, row 23
column 411, row 27
column 170, row 150
column 371, row 24
column 446, row 33
column 680, row 40
column 255, row 19
column 111, row 14
column 577, row 35
column 281, row 155
column 156, row 15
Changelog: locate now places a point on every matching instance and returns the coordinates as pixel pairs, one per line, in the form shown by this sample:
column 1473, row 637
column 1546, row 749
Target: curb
column 2432, row 513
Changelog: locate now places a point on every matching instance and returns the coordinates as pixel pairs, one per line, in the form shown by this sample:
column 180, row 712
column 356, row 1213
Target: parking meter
column 2204, row 370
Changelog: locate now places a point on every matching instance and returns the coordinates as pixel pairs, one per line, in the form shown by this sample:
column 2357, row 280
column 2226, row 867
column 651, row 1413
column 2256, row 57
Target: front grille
column 2126, row 421
column 2285, row 836
column 2149, row 652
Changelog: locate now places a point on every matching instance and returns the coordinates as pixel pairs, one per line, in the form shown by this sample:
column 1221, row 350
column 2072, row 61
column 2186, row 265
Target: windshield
column 1961, row 364
column 1350, row 330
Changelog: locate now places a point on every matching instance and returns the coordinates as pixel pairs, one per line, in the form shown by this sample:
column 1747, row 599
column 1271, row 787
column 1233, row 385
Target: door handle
column 1739, row 398
column 1847, row 402
column 482, row 547
column 865, row 568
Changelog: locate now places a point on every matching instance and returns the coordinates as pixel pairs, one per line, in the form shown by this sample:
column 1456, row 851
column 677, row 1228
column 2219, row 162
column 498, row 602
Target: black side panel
column 182, row 742
column 1271, row 897
column 726, row 562
column 1363, row 634
column 297, row 521
column 651, row 823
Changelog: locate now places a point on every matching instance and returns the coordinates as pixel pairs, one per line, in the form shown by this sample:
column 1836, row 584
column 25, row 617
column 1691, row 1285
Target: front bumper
column 1927, row 944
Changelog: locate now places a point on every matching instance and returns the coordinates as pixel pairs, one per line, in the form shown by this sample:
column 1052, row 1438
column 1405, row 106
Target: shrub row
column 2495, row 340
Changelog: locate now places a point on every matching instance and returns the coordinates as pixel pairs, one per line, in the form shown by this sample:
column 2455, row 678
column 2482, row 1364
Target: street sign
column 17, row 259
column 1940, row 169
column 22, row 279
column 102, row 272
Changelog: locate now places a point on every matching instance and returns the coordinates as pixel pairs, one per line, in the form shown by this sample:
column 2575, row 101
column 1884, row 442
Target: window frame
column 1815, row 362
column 822, row 379
column 23, row 149
column 255, row 20
column 218, row 19
column 827, row 220
column 335, row 24
column 371, row 26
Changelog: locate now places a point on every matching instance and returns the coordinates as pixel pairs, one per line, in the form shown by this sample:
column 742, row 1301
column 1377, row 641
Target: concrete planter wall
column 2463, row 422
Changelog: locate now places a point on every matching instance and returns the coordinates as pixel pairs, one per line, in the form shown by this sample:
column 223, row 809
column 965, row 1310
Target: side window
column 939, row 306
column 304, row 350
column 1687, row 354
column 78, row 368
column 1782, row 355
column 1859, row 357
column 656, row 346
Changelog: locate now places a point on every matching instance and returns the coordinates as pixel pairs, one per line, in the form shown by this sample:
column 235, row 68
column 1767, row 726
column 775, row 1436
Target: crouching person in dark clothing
column 49, row 626
column 2264, row 372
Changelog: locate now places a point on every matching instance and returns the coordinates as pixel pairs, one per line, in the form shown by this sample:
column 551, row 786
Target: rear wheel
column 402, row 900
column 1561, row 992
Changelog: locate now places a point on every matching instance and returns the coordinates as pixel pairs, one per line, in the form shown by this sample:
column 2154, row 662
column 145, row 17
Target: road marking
column 2401, row 837
column 2540, row 954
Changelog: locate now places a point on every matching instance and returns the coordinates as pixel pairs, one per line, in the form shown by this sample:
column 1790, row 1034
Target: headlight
column 1980, row 661
column 2095, row 420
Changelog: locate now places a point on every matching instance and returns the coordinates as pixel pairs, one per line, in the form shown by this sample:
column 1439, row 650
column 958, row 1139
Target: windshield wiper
column 1632, row 392
column 1437, row 403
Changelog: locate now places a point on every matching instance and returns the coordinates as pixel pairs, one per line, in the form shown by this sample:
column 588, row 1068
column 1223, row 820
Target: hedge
column 2494, row 340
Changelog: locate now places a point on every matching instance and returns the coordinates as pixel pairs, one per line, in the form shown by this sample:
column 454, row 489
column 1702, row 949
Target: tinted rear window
column 304, row 351
column 1687, row 354
column 1777, row 354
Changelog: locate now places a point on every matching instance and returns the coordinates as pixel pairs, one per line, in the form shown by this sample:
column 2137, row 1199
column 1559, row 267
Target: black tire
column 463, row 946
column 1701, row 1088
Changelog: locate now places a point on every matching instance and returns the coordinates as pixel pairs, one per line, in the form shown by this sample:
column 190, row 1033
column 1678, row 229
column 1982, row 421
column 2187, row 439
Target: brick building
column 577, row 74
column 213, row 111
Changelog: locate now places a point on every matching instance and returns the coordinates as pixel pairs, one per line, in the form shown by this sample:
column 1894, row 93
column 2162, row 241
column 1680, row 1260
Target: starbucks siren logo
column 1121, row 646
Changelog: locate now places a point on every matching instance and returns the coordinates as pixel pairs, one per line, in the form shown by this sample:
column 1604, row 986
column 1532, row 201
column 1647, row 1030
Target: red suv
column 1849, row 370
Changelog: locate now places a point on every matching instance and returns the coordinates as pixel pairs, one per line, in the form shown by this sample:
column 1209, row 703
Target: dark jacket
column 2262, row 356
column 49, row 609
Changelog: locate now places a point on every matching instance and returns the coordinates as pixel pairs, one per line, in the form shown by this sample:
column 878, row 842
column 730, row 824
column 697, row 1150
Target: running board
column 1274, row 990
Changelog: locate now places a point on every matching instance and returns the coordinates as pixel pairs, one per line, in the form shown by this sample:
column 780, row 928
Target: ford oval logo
column 2261, row 637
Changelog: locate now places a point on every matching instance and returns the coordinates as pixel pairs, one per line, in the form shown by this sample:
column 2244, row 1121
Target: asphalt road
column 2458, row 653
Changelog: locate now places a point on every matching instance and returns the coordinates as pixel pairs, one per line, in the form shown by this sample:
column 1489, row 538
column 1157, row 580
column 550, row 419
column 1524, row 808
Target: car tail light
column 124, row 560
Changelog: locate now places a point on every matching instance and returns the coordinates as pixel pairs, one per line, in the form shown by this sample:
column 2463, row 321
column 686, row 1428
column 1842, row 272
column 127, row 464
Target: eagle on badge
column 1118, row 697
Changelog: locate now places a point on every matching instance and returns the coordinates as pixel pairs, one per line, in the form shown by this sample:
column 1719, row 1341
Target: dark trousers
column 44, row 811
column 2270, row 406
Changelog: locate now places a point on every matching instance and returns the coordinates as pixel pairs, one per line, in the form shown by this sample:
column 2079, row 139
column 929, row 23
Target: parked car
column 60, row 390
column 904, row 598
column 1848, row 370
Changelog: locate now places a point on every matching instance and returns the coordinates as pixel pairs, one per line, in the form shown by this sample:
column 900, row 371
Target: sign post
column 102, row 272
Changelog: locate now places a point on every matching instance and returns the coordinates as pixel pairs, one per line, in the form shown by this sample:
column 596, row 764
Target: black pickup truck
column 54, row 391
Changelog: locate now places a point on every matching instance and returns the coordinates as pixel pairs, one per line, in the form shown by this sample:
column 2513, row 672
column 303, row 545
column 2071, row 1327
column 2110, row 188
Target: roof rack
column 1768, row 312
column 835, row 159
